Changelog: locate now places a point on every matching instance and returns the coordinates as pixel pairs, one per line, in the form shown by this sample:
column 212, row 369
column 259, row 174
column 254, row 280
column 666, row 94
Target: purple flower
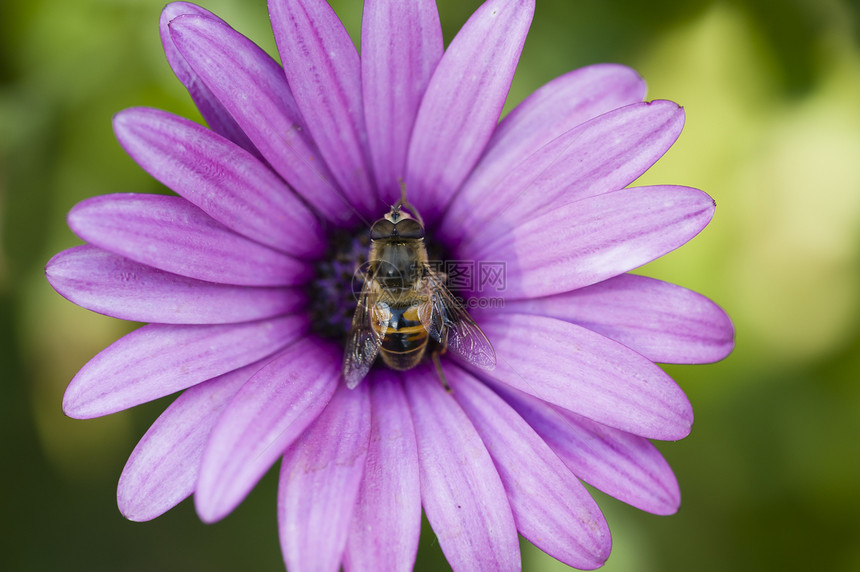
column 244, row 279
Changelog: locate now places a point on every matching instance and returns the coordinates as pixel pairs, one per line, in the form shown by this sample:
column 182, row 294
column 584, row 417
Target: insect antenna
column 403, row 203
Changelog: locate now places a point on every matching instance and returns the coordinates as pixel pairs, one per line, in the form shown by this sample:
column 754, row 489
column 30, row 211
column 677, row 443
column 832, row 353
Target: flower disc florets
column 339, row 277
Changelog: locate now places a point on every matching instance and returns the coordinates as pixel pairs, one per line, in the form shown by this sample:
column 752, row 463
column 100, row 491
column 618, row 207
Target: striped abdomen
column 405, row 339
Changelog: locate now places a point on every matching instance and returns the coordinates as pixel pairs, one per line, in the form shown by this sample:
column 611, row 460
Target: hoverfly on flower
column 405, row 307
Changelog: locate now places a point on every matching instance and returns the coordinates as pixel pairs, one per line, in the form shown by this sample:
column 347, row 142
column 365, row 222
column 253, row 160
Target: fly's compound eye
column 409, row 228
column 382, row 229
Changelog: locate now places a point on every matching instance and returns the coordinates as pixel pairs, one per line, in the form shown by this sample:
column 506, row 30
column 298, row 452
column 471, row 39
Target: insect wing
column 447, row 322
column 362, row 344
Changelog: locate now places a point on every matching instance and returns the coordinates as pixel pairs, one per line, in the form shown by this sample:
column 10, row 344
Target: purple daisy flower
column 245, row 282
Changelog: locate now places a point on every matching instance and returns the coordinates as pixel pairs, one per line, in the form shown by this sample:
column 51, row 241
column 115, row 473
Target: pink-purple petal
column 386, row 523
column 116, row 286
column 588, row 241
column 623, row 465
column 171, row 234
column 401, row 43
column 580, row 370
column 270, row 411
column 604, row 154
column 461, row 490
column 323, row 70
column 224, row 180
column 252, row 87
column 158, row 359
column 548, row 113
column 163, row 468
column 218, row 118
column 321, row 474
column 463, row 101
column 561, row 105
column 551, row 507
column 664, row 322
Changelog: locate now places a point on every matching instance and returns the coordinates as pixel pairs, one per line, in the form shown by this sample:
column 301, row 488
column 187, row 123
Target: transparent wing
column 362, row 344
column 447, row 322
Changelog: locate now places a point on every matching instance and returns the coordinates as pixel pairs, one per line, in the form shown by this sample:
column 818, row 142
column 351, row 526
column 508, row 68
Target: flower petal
column 157, row 360
column 270, row 411
column 171, row 234
column 577, row 369
column 547, row 114
column 560, row 105
column 218, row 118
column 588, row 241
column 664, row 322
column 461, row 490
column 227, row 182
column 322, row 67
column 386, row 523
column 401, row 43
column 621, row 464
column 115, row 286
column 601, row 155
column 551, row 507
column 162, row 470
column 321, row 475
column 463, row 101
column 252, row 87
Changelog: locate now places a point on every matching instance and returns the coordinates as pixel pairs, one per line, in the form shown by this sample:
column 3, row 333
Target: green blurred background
column 770, row 475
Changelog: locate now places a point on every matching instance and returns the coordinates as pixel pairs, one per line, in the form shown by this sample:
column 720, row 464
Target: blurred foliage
column 772, row 93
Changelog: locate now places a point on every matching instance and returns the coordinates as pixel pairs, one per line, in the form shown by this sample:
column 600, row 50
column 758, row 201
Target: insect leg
column 441, row 373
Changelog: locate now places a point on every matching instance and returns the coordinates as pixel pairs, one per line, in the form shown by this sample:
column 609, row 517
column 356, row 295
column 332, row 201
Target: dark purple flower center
column 334, row 292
